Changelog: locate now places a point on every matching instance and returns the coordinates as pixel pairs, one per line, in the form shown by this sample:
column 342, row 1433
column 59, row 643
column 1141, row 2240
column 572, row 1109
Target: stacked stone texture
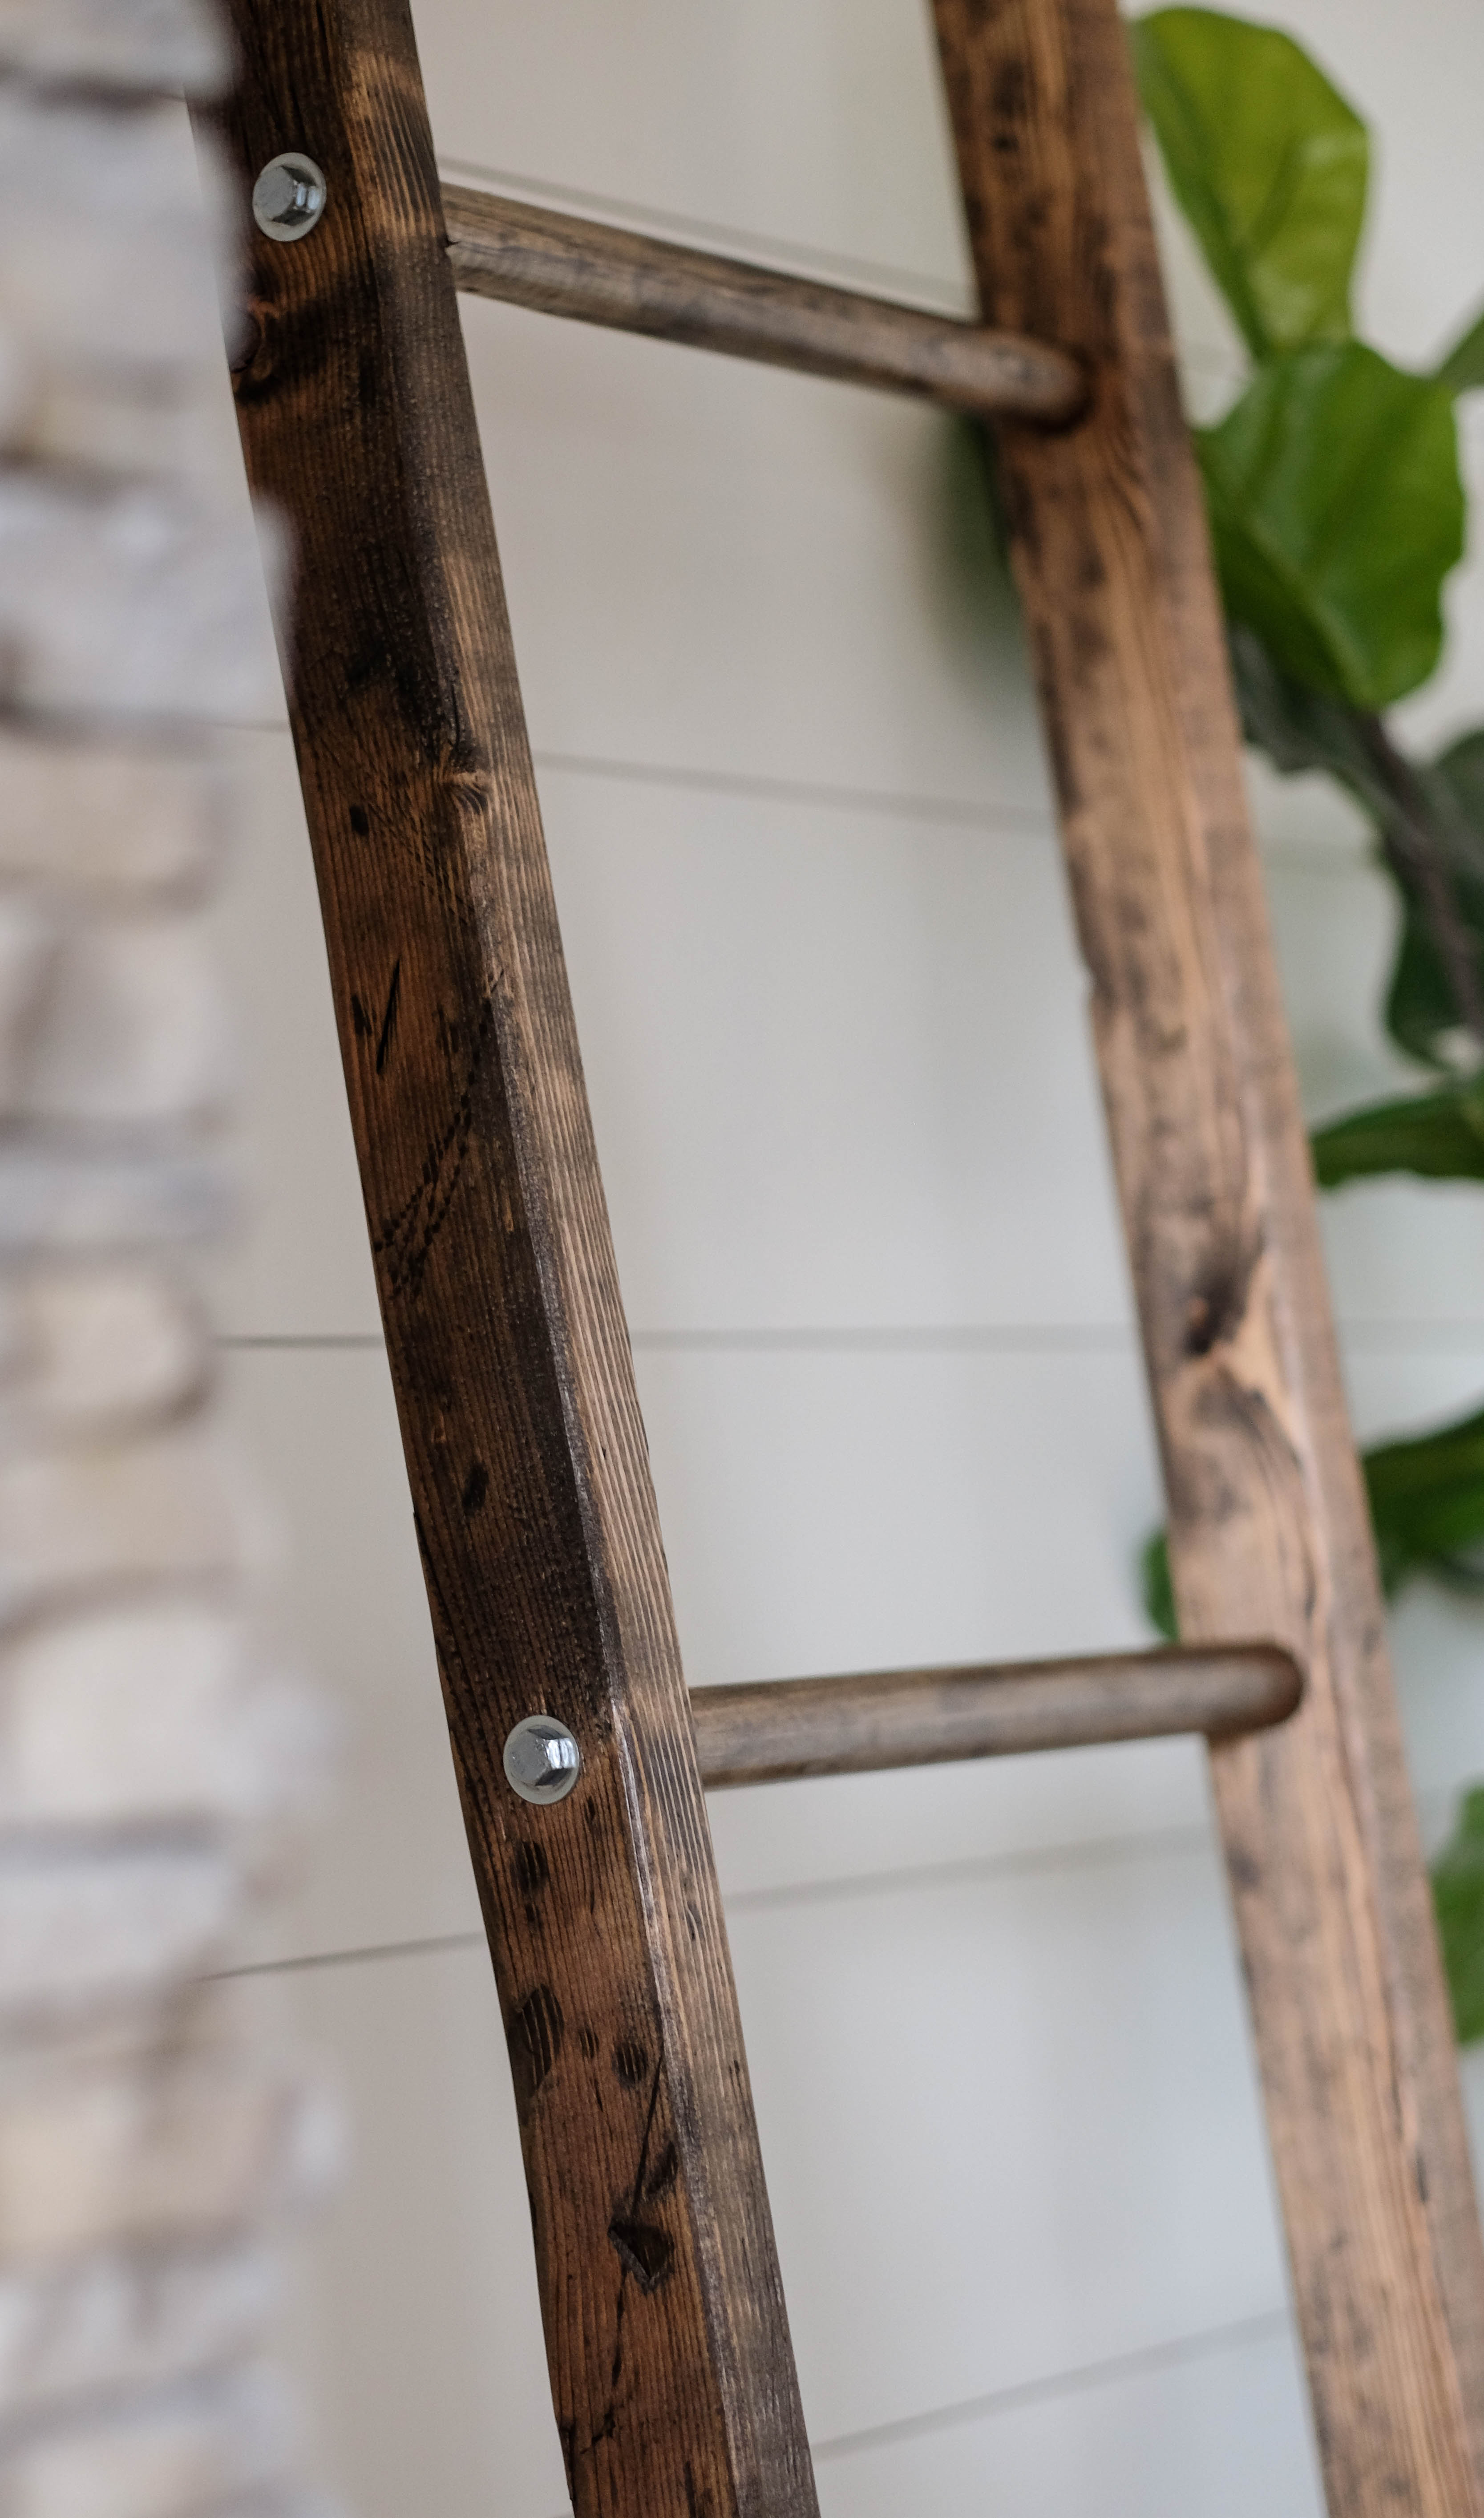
column 151, row 1752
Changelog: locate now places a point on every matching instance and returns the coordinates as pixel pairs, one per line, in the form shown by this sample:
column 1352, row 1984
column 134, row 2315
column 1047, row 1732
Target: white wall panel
column 724, row 567
column 418, row 2315
column 839, row 1064
column 839, row 1067
column 819, row 130
column 1223, row 2430
column 1009, row 2123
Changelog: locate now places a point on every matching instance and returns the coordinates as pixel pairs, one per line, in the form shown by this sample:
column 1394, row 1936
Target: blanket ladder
column 671, row 2373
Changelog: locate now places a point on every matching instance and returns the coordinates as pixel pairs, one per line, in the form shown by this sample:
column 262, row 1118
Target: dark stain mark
column 567, row 2433
column 643, row 2250
column 530, row 1869
column 362, row 1020
column 1010, row 95
column 360, row 821
column 1201, row 1325
column 1215, row 1306
column 1420, row 2171
column 389, row 1019
column 587, row 2043
column 535, row 2037
column 663, row 2175
column 1243, row 1870
column 631, row 2061
column 476, row 1487
column 370, row 665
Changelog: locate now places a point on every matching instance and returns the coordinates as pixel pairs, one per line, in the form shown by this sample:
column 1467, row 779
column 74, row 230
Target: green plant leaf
column 1458, row 1896
column 1427, row 1504
column 1436, row 1136
column 1336, row 511
column 1423, row 1013
column 1463, row 370
column 1299, row 728
column 1460, row 770
column 1157, row 1590
column 1269, row 165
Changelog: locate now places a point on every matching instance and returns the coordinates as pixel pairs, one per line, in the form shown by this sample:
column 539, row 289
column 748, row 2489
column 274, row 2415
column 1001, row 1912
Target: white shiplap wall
column 831, row 1016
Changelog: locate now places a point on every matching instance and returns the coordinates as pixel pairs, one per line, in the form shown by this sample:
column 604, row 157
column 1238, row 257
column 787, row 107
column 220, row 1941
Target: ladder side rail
column 595, row 274
column 1267, row 1515
column 672, row 2371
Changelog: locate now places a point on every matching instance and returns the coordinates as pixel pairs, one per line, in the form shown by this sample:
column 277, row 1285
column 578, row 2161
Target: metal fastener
column 543, row 1761
column 288, row 198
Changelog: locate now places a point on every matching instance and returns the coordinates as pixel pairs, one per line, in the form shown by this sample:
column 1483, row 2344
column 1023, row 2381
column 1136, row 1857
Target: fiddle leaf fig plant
column 1337, row 512
column 1269, row 165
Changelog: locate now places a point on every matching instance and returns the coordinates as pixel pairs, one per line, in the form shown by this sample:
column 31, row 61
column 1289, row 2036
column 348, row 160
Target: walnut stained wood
column 604, row 275
column 671, row 2373
column 785, row 1728
column 1267, row 1514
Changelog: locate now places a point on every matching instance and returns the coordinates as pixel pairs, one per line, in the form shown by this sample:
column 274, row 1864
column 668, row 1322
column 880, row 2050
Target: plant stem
column 1414, row 849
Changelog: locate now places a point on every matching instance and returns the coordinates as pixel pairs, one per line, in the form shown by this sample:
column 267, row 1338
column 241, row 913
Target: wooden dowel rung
column 781, row 1728
column 601, row 274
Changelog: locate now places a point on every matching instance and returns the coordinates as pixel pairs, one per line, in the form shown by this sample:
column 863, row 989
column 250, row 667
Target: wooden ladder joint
column 780, row 1729
column 560, row 265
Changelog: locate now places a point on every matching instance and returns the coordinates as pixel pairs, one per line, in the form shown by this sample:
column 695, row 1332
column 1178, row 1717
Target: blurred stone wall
column 154, row 1755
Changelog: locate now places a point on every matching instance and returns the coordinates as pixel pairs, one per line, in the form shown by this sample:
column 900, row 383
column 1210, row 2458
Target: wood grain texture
column 1268, row 1524
column 604, row 275
column 782, row 1728
column 671, row 2367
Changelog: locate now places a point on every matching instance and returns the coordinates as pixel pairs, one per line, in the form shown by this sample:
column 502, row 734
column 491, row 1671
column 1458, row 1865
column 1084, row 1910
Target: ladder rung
column 603, row 274
column 781, row 1728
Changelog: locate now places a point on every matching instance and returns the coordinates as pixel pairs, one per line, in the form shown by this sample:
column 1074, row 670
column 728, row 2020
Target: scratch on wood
column 404, row 1242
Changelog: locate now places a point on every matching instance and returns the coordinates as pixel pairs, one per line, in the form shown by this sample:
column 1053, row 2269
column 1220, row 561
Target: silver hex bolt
column 288, row 198
column 541, row 1759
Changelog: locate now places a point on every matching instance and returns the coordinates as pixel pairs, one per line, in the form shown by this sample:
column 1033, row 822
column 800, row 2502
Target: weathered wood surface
column 1268, row 1524
column 560, row 265
column 670, row 2365
column 780, row 1729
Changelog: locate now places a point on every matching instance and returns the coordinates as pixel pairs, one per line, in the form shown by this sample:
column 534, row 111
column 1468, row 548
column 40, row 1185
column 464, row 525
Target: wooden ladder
column 672, row 2371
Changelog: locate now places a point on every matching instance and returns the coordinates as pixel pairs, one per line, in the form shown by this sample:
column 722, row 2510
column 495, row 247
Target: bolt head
column 288, row 198
column 541, row 1759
